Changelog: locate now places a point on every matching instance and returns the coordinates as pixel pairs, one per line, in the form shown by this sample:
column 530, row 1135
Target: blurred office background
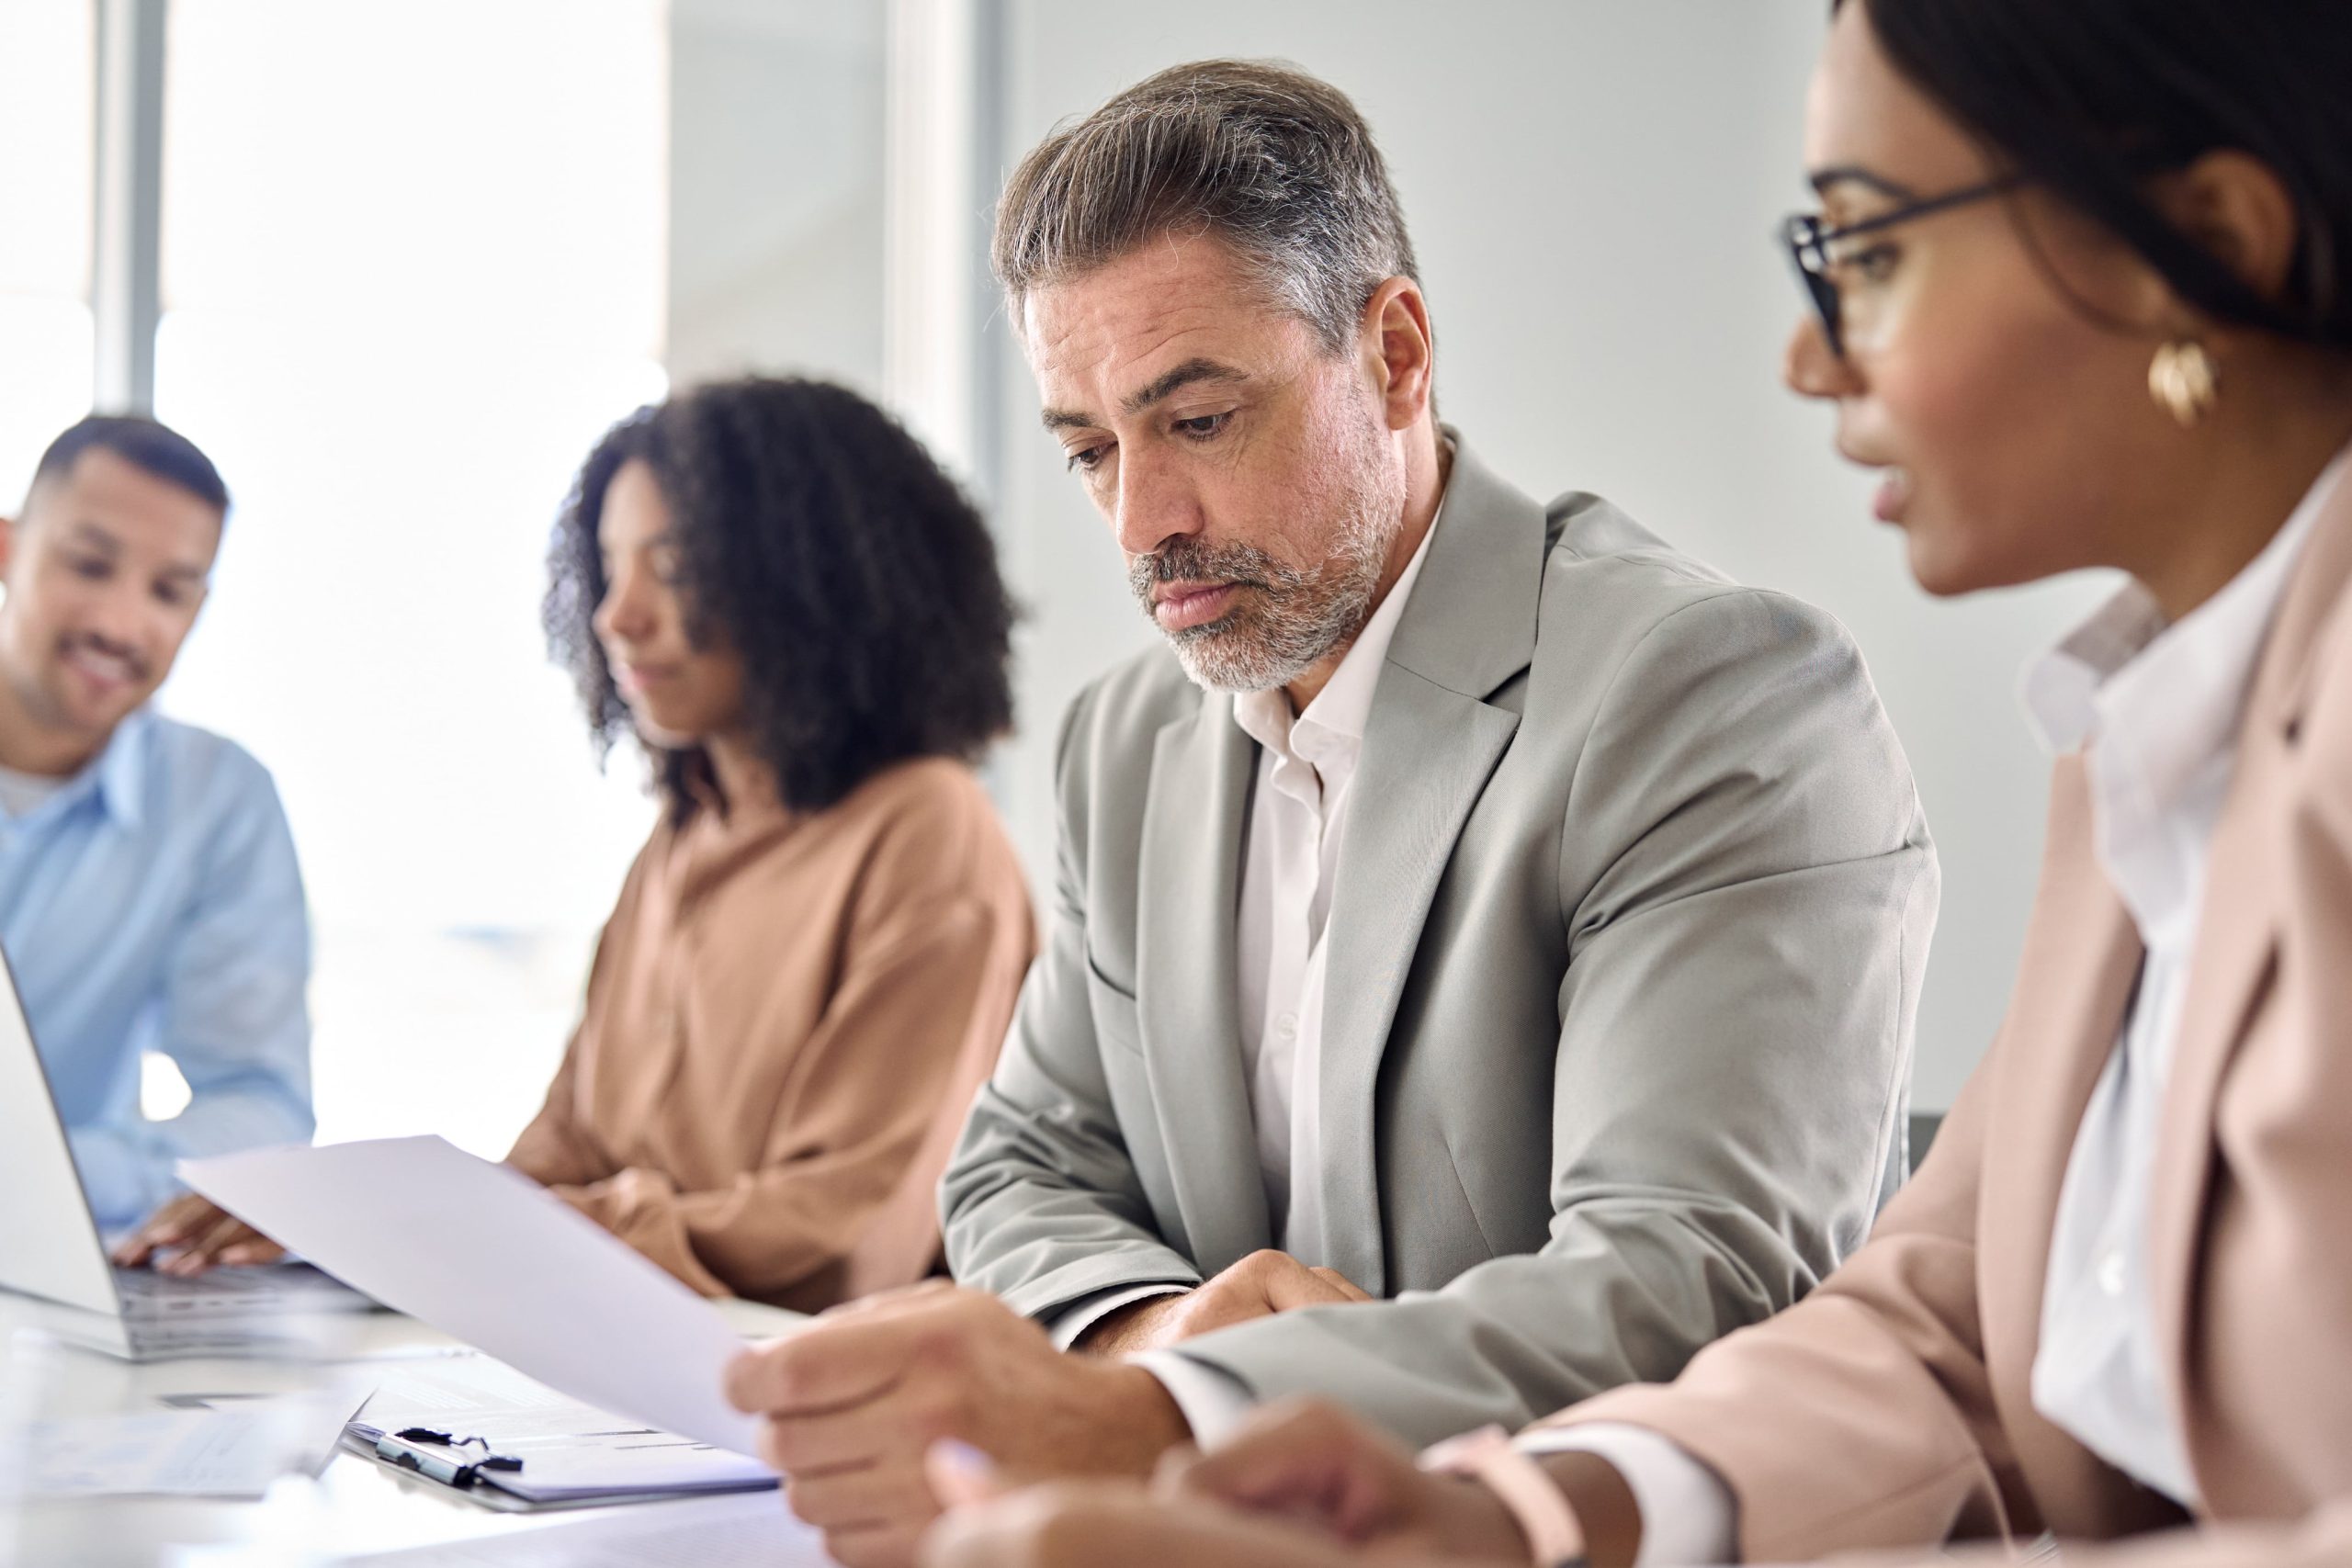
column 397, row 267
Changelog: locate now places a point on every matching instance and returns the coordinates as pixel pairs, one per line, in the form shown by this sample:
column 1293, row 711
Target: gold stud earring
column 2185, row 382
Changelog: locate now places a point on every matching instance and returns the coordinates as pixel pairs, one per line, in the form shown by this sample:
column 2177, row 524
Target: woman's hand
column 1303, row 1485
column 1312, row 1462
column 1088, row 1524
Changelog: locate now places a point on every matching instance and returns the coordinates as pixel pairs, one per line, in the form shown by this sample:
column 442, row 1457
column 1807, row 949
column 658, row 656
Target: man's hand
column 1312, row 1463
column 193, row 1233
column 853, row 1402
column 1258, row 1286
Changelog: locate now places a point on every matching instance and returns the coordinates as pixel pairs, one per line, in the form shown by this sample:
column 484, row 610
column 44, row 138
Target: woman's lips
column 1179, row 609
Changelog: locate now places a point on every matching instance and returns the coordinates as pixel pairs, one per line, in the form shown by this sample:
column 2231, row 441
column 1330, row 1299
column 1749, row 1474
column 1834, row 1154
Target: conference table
column 355, row 1507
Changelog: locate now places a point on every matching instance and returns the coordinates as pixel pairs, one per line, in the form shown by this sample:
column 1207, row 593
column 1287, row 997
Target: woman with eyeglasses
column 2082, row 280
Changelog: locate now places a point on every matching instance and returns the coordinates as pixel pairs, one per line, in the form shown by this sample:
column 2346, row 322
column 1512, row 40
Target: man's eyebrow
column 85, row 531
column 1823, row 180
column 1185, row 375
column 1166, row 384
column 186, row 572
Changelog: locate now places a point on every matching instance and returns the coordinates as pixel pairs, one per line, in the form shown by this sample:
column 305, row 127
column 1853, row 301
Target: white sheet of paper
column 569, row 1447
column 485, row 1254
column 750, row 1531
column 183, row 1453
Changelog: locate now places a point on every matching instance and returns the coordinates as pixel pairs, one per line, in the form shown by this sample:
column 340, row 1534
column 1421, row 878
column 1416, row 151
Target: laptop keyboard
column 273, row 1287
column 146, row 1285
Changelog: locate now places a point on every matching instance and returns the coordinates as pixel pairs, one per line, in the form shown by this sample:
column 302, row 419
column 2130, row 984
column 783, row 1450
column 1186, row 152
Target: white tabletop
column 357, row 1505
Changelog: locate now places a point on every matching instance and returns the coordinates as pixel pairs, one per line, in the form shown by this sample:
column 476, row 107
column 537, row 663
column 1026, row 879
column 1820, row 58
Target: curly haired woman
column 773, row 587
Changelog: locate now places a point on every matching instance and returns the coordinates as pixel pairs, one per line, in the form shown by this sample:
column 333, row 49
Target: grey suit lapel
column 1185, row 985
column 1428, row 748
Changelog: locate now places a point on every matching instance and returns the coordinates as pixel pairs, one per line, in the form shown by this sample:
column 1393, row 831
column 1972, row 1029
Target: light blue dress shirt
column 152, row 903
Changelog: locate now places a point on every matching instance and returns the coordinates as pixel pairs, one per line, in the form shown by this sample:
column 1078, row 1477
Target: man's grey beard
column 1285, row 621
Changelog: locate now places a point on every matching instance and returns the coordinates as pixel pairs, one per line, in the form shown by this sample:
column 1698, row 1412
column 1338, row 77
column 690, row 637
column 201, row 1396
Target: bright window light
column 46, row 347
column 413, row 265
column 45, row 173
column 46, row 147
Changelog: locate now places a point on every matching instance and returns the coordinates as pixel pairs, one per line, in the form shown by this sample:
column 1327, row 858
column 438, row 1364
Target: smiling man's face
column 104, row 572
column 1245, row 469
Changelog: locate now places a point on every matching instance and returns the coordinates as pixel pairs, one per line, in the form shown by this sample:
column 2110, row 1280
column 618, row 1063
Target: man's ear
column 8, row 526
column 1399, row 350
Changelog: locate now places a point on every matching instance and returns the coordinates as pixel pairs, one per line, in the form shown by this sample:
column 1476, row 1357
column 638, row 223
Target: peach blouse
column 786, row 1017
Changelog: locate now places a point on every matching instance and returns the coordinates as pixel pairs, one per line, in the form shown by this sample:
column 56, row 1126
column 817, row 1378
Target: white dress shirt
column 1290, row 862
column 2157, row 709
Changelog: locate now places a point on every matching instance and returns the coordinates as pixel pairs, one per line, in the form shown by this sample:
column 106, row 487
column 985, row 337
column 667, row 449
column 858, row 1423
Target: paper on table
column 570, row 1449
column 486, row 1255
column 726, row 1532
column 183, row 1453
column 469, row 1390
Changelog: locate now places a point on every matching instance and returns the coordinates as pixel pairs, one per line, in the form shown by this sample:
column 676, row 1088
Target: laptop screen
column 49, row 1244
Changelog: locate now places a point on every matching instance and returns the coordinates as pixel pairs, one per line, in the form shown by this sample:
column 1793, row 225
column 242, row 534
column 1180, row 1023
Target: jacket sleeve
column 1862, row 1417
column 2320, row 1539
column 1735, row 1038
column 1041, row 1203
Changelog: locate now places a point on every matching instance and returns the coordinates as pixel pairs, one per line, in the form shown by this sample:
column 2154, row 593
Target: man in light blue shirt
column 149, row 895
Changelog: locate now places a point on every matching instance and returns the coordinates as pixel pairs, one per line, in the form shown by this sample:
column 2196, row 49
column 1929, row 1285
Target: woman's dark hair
column 2087, row 98
column 818, row 539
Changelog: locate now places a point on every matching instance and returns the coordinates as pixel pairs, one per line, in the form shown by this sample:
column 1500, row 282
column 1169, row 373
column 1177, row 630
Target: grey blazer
column 1625, row 953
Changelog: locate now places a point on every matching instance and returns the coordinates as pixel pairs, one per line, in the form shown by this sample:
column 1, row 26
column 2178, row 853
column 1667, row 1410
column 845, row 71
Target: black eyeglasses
column 1811, row 241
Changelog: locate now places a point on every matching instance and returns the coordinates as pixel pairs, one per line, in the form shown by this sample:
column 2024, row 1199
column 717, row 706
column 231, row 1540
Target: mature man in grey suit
column 1485, row 944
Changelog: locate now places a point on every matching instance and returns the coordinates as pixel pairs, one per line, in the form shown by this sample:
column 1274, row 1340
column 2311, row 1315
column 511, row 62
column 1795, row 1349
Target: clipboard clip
column 400, row 1447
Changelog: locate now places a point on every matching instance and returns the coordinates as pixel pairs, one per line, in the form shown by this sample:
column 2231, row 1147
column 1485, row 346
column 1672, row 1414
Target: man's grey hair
column 1274, row 162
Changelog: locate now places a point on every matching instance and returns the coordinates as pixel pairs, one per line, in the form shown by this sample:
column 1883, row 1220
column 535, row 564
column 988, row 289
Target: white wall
column 1592, row 187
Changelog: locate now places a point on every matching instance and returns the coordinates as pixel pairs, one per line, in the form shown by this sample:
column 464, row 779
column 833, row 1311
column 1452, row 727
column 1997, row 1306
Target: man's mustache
column 1188, row 560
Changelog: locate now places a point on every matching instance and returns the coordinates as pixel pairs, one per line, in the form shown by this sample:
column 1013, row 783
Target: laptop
column 52, row 1251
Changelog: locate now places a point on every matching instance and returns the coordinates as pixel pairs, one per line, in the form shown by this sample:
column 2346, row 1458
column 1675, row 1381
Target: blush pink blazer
column 1892, row 1407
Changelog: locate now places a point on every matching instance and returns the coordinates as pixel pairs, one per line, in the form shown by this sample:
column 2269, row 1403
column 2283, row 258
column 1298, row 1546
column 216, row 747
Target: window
column 46, row 116
column 413, row 264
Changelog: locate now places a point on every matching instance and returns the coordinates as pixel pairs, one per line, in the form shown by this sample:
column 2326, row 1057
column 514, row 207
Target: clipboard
column 472, row 1468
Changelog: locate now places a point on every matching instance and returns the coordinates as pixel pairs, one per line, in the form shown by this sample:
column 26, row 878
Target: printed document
column 571, row 1452
column 485, row 1254
column 182, row 1453
column 722, row 1532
